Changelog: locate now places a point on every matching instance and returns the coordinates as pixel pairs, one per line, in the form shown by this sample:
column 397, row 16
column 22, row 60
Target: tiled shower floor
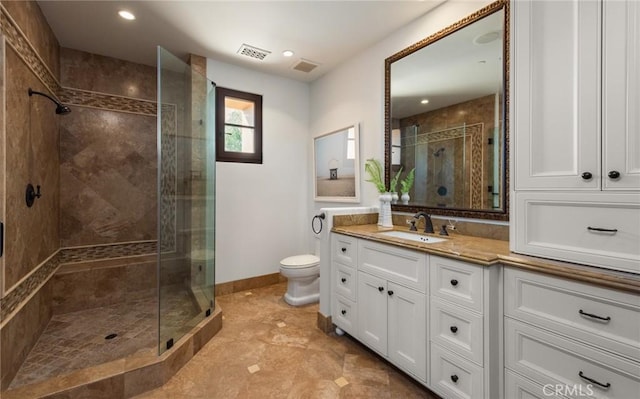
column 76, row 340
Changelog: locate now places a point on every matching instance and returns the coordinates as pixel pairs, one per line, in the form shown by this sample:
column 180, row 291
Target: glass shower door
column 186, row 198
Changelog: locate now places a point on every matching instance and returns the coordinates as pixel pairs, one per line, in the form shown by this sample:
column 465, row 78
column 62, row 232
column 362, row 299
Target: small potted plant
column 374, row 168
column 405, row 186
column 392, row 186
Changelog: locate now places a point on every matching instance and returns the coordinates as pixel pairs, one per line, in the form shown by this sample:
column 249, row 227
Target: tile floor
column 267, row 349
column 76, row 340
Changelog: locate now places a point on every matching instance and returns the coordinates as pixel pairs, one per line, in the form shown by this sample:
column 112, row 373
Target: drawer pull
column 344, row 280
column 587, row 175
column 380, row 289
column 344, row 312
column 390, row 293
column 607, row 385
column 344, row 249
column 593, row 316
column 454, row 378
column 453, row 329
column 601, row 229
column 454, row 282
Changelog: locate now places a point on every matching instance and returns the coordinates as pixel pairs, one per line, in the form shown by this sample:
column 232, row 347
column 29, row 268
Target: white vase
column 405, row 198
column 394, row 197
column 384, row 216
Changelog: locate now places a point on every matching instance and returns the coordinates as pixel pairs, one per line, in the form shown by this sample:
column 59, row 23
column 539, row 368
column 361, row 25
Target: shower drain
column 111, row 336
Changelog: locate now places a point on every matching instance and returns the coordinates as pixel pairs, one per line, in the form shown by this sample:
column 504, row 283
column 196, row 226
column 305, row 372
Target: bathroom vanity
column 469, row 319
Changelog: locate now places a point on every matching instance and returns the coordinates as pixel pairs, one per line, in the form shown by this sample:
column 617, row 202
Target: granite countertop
column 487, row 252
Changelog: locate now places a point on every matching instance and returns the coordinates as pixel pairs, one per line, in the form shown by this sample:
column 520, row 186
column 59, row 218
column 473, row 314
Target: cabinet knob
column 454, row 282
column 344, row 249
column 344, row 312
column 344, row 280
column 390, row 293
column 380, row 289
column 586, row 175
column 453, row 329
column 454, row 378
column 614, row 174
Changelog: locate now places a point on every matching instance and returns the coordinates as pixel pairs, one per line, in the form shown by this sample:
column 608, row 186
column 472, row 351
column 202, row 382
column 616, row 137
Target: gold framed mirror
column 446, row 107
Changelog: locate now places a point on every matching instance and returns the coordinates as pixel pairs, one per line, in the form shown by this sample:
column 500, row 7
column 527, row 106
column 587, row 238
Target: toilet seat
column 300, row 262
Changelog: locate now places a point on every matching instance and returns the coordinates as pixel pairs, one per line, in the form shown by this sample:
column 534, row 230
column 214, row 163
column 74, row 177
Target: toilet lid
column 300, row 261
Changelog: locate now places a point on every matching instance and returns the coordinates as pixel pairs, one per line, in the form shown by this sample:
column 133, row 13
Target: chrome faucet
column 428, row 225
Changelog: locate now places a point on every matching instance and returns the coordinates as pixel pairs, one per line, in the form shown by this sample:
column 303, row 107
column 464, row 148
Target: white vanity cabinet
column 569, row 338
column 465, row 320
column 575, row 120
column 437, row 319
column 392, row 304
column 344, row 256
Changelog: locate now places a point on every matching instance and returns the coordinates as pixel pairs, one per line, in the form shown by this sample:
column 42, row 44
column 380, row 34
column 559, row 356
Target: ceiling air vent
column 305, row 66
column 253, row 52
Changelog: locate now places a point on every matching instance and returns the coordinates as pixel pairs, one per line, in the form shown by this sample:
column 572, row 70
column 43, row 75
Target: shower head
column 61, row 109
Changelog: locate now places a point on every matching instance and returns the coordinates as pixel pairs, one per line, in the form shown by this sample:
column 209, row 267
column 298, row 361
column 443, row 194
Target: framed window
column 238, row 126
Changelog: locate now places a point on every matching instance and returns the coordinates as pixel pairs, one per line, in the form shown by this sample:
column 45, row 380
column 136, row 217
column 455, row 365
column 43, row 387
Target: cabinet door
column 621, row 97
column 556, row 77
column 407, row 319
column 372, row 312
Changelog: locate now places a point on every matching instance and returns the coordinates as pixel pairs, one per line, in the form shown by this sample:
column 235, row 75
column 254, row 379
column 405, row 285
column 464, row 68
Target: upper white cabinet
column 576, row 131
column 621, row 100
column 576, row 110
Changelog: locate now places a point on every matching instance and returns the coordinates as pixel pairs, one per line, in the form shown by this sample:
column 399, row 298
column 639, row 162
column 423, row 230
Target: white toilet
column 303, row 274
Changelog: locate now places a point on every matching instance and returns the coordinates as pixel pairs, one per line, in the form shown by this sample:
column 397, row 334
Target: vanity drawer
column 457, row 282
column 518, row 387
column 457, row 330
column 399, row 265
column 344, row 249
column 455, row 377
column 602, row 317
column 565, row 227
column 345, row 281
column 344, row 314
column 548, row 358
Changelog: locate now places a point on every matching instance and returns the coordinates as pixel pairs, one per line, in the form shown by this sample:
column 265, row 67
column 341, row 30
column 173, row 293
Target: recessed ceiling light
column 425, row 101
column 287, row 53
column 126, row 15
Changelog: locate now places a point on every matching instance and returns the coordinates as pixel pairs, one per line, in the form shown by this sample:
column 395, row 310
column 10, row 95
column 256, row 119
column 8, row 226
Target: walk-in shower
column 131, row 299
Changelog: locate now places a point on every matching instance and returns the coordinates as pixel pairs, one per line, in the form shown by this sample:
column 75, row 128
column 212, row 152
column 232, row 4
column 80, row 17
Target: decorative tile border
column 18, row 41
column 22, row 292
column 10, row 302
column 91, row 99
column 169, row 179
column 108, row 251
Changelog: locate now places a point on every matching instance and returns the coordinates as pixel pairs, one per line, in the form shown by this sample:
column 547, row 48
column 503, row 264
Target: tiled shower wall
column 30, row 138
column 108, row 159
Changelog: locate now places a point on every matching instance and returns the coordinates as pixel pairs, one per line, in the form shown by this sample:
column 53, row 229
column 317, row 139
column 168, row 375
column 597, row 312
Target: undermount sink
column 412, row 236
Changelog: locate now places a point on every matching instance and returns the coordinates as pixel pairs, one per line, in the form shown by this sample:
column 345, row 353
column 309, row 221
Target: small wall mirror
column 336, row 160
column 445, row 115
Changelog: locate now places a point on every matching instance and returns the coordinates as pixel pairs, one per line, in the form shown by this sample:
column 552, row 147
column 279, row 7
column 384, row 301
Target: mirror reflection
column 446, row 117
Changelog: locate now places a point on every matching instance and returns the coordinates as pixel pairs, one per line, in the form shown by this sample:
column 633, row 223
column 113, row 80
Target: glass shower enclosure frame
column 186, row 198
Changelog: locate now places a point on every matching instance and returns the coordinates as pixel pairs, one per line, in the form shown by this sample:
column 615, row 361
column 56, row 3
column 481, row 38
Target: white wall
column 262, row 210
column 354, row 92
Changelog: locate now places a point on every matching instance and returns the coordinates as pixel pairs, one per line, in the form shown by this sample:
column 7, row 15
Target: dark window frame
column 230, row 156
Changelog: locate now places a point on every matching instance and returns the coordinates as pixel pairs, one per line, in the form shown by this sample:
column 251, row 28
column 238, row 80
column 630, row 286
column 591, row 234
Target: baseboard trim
column 248, row 283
